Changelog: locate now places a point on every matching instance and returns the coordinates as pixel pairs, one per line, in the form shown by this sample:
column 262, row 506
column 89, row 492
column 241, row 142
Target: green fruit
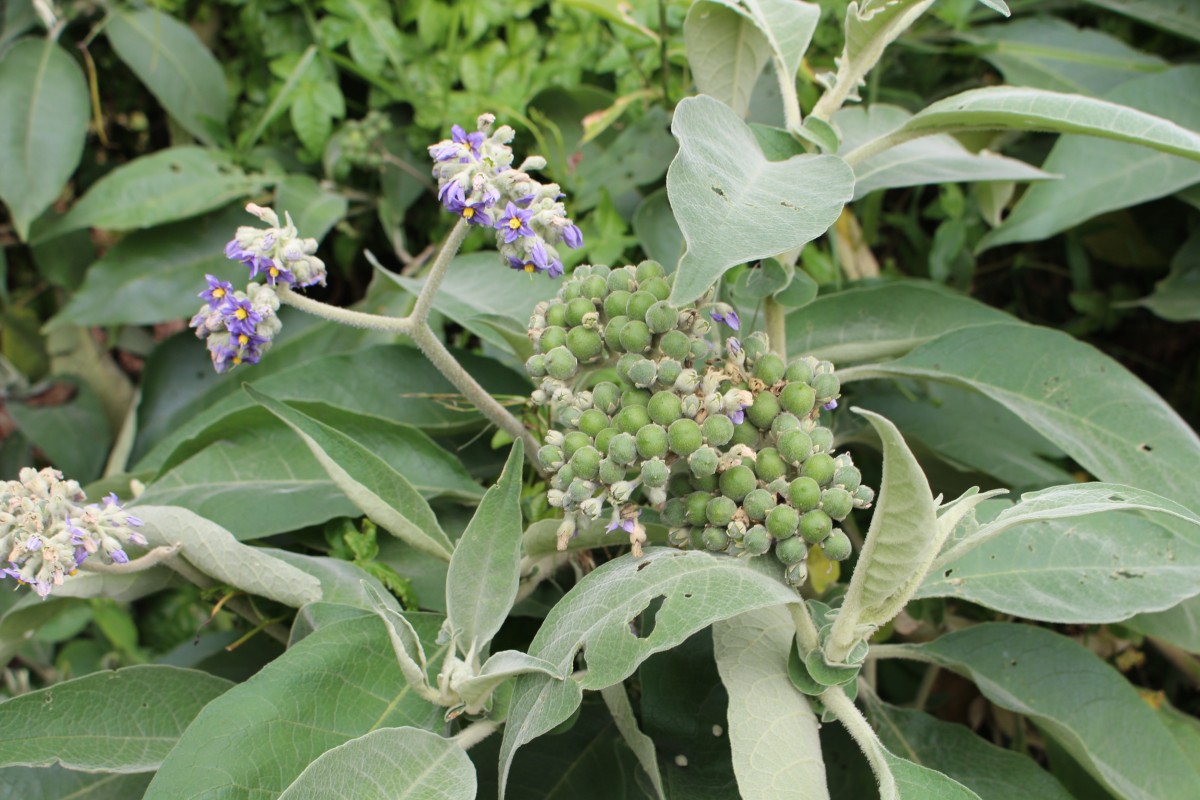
column 795, row 446
column 586, row 462
column 704, row 483
column 594, row 287
column 619, row 280
column 718, row 430
column 674, row 513
column 562, row 479
column 572, row 287
column 754, row 346
column 798, row 399
column 630, row 419
column 849, row 478
column 720, row 511
column 573, row 441
column 756, row 541
column 556, row 315
column 837, row 547
column 659, row 287
column 561, row 364
column 622, row 448
column 535, row 365
column 605, row 396
column 792, row 551
column 662, row 317
column 679, row 485
column 615, row 303
column 863, row 496
column 549, row 456
column 675, row 344
column 585, row 344
column 652, row 441
column 639, row 304
column 604, row 437
column 715, row 539
column 820, row 468
column 668, row 371
column 703, row 462
column 804, row 494
column 655, row 473
column 649, row 269
column 551, row 338
column 785, row 422
column 577, row 308
column 701, row 349
column 697, row 508
column 610, row 472
column 593, row 421
column 758, row 504
column 798, row 372
column 837, row 503
column 744, row 433
column 826, row 387
column 822, row 439
column 665, row 408
column 815, row 526
column 782, row 522
column 636, row 337
column 684, row 436
column 737, row 482
column 601, row 270
column 612, row 333
column 580, row 490
column 769, row 466
column 624, row 363
column 769, row 368
column 763, row 411
column 643, row 373
column 635, row 397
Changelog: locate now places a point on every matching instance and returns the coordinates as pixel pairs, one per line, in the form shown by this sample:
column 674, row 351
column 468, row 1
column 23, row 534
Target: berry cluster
column 359, row 140
column 725, row 442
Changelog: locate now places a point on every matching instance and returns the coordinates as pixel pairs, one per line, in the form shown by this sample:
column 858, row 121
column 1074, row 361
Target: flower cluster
column 277, row 252
column 47, row 530
column 477, row 181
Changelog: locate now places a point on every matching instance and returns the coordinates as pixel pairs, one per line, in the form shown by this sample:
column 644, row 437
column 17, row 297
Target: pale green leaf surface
column 341, row 582
column 377, row 489
column 73, row 435
column 1085, row 704
column 733, row 205
column 772, row 728
column 388, row 764
column 1179, row 625
column 485, row 568
column 113, row 721
column 335, row 685
column 869, row 28
column 789, row 26
column 1102, row 416
column 314, row 208
column 499, row 668
column 1131, row 174
column 916, row 782
column 1178, row 17
column 23, row 783
column 726, row 51
column 213, row 550
column 169, row 58
column 42, row 129
column 1177, row 297
column 657, row 231
column 122, row 587
column 617, row 701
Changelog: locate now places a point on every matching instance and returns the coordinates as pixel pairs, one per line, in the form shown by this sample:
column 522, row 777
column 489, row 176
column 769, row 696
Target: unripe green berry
column 792, row 551
column 639, row 304
column 616, row 303
column 604, row 437
column 561, row 364
column 624, row 363
column 720, row 511
column 655, row 473
column 549, row 456
column 804, row 494
column 782, row 522
column 630, row 419
column 799, row 372
column 758, row 504
column 573, row 441
column 669, row 371
column 715, row 540
column 718, row 430
column 577, row 308
column 622, row 448
column 674, row 513
column 684, row 436
column 675, row 344
column 849, row 478
column 585, row 344
column 659, row 287
column 612, row 333
column 815, row 526
column 610, row 472
column 822, row 439
column 556, row 314
column 620, row 280
column 593, row 421
column 697, row 508
column 819, row 467
column 795, row 446
column 744, row 433
column 836, row 502
column 643, row 373
column 586, row 462
column 662, row 317
column 665, row 407
column 635, row 397
column 569, row 416
column 769, row 368
column 652, row 441
column 601, row 270
column 769, row 466
column 837, row 546
column 571, row 288
column 863, row 496
column 798, row 398
column 580, row 490
column 701, row 349
column 785, row 422
column 737, row 482
column 826, row 387
column 704, row 483
column 756, row 541
column 648, row 270
column 763, row 411
column 755, row 345
column 605, row 396
column 703, row 462
column 635, row 336
column 551, row 338
column 595, row 287
column 535, row 365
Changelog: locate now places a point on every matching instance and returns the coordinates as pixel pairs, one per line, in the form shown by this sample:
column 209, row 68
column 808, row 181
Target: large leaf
column 1179, row 18
column 42, row 129
column 733, row 205
column 617, row 700
column 929, row 160
column 74, row 435
column 485, row 569
column 371, row 483
column 1083, row 703
column 772, row 729
column 916, row 782
column 726, row 51
column 335, row 685
column 21, row 783
column 388, row 764
column 1102, row 416
column 176, row 67
column 1179, row 625
column 122, row 721
column 214, row 551
column 698, row 588
column 169, row 185
column 1131, row 174
column 1177, row 296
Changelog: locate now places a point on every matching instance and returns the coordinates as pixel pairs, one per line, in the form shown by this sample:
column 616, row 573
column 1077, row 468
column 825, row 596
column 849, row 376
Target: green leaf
column 175, row 66
column 74, row 435
column 772, row 728
column 882, row 321
column 389, row 764
column 733, row 205
column 309, row 119
column 929, row 160
column 639, row 155
column 21, row 783
column 314, row 208
column 341, row 582
column 281, row 101
column 371, row 483
column 335, row 685
column 698, row 588
column 486, row 566
column 915, row 782
column 1131, row 174
column 992, row 772
column 657, row 231
column 161, row 187
column 1077, row 699
column 1179, row 625
column 1102, row 416
column 1181, row 19
column 869, row 29
column 726, row 51
column 42, row 130
column 642, row 745
column 789, row 26
column 1177, row 297
column 213, row 550
column 122, row 721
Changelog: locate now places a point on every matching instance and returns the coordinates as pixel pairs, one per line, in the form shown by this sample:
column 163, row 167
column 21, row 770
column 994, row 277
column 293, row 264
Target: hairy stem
column 343, row 316
column 860, row 730
column 806, row 630
column 475, row 733
column 776, row 317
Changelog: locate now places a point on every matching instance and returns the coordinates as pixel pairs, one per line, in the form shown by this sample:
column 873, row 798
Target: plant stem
column 454, row 241
column 860, row 730
column 344, row 316
column 806, row 630
column 776, row 317
column 473, row 734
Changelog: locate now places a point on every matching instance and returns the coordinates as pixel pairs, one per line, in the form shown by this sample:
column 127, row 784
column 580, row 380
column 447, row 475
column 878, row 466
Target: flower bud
column 592, row 507
column 621, row 491
column 690, row 406
column 555, row 498
column 687, row 382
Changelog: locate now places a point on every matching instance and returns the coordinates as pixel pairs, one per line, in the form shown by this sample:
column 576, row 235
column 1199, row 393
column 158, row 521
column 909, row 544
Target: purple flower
column 33, row 543
column 738, row 416
column 730, row 318
column 217, row 290
column 240, row 316
column 572, row 235
column 254, row 261
column 77, row 534
column 831, row 405
column 275, row 273
column 111, row 499
column 624, row 524
column 447, row 190
column 119, row 556
column 474, row 213
column 471, row 140
column 538, row 260
column 81, row 553
column 735, row 346
column 514, row 223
